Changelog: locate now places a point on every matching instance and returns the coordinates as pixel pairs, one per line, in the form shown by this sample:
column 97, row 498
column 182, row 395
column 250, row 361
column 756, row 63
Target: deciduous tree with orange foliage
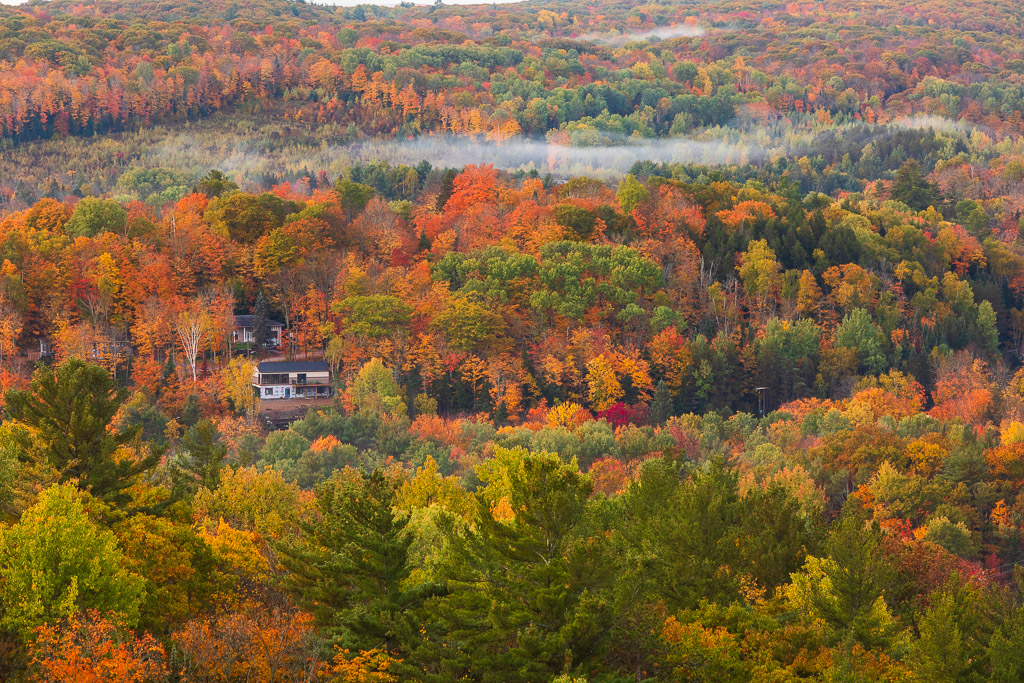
column 93, row 649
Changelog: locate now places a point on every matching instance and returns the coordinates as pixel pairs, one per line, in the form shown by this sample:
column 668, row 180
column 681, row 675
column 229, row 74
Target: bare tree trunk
column 190, row 328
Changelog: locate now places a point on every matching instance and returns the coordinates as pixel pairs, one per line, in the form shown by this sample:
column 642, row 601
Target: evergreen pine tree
column 911, row 187
column 169, row 368
column 191, row 412
column 1005, row 647
column 988, row 329
column 424, row 242
column 214, row 184
column 941, row 653
column 260, row 322
column 67, row 411
column 447, row 187
column 350, row 566
column 858, row 575
column 202, row 457
column 661, row 404
column 523, row 604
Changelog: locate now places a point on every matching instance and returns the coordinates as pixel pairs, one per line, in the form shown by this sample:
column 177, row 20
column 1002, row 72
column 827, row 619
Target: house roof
column 246, row 321
column 274, row 366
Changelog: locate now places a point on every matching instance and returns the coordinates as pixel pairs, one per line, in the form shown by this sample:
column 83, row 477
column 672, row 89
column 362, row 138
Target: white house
column 242, row 334
column 292, row 379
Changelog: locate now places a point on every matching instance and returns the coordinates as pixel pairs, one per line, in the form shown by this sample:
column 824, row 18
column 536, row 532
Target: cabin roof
column 274, row 366
column 247, row 320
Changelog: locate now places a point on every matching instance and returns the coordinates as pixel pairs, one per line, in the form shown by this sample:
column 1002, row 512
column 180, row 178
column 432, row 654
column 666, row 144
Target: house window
column 268, row 391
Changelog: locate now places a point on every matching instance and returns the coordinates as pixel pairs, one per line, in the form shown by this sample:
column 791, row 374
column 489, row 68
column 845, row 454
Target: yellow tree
column 605, row 389
column 10, row 328
column 808, row 295
column 760, row 271
column 366, row 666
column 89, row 342
column 630, row 364
column 852, row 286
column 238, row 387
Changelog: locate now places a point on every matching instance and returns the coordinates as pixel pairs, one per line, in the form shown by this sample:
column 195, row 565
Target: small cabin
column 44, row 352
column 243, row 331
column 292, row 379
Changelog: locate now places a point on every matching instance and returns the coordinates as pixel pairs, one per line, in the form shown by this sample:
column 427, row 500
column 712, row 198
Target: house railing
column 279, row 380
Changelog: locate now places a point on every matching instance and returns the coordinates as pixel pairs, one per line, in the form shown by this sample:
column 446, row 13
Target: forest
column 667, row 341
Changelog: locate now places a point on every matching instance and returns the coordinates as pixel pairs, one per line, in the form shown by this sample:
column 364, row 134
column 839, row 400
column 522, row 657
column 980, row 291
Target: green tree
column 63, row 418
column 988, row 329
column 522, row 607
column 9, row 475
column 941, row 652
column 353, row 197
column 154, row 185
column 94, row 216
column 683, row 533
column 56, row 562
column 376, row 391
column 1005, row 647
column 575, row 277
column 845, row 588
column 261, row 322
column 447, row 188
column 631, row 193
column 214, row 184
column 774, row 536
column 787, row 358
column 691, row 539
column 860, row 333
column 469, row 324
column 283, row 447
column 577, row 219
column 350, row 565
column 202, row 456
column 375, row 316
column 911, row 187
column 661, row 404
column 245, row 217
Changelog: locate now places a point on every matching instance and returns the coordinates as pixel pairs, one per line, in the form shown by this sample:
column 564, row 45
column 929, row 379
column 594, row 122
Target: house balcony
column 283, row 379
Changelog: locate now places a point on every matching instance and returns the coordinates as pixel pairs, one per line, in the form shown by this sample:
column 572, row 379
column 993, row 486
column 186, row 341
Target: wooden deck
column 283, row 411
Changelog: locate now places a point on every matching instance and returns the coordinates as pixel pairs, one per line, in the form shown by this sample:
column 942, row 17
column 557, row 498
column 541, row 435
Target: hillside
column 551, row 342
column 779, row 81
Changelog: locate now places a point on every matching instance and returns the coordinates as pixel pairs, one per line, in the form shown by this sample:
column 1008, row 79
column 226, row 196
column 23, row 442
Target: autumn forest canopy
column 548, row 342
